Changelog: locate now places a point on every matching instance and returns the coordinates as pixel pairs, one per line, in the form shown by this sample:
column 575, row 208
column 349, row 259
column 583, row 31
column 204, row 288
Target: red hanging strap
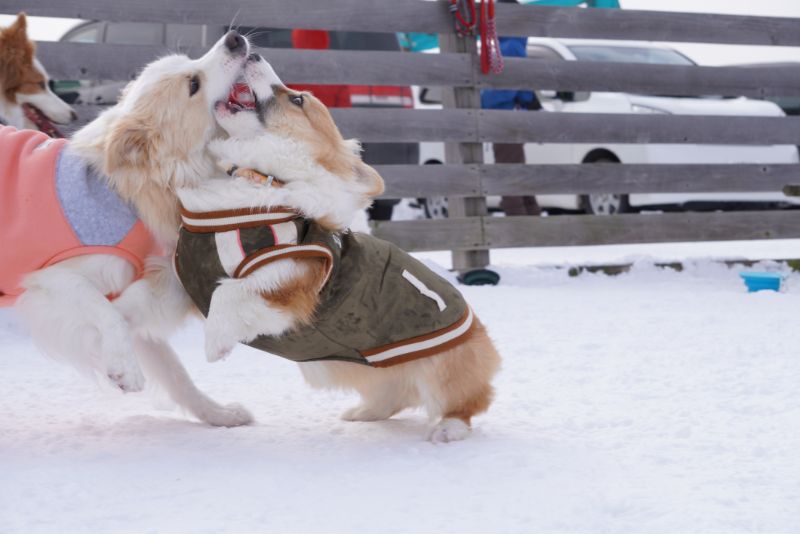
column 465, row 21
column 491, row 56
column 464, row 16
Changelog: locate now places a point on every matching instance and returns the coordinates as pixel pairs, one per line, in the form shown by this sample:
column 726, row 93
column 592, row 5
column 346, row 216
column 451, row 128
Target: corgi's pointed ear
column 130, row 144
column 20, row 26
column 369, row 178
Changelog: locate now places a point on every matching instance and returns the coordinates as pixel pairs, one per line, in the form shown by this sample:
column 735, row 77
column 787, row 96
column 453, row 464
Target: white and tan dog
column 26, row 100
column 149, row 144
column 292, row 137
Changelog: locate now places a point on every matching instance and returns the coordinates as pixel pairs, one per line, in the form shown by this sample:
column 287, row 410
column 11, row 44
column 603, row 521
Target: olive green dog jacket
column 378, row 306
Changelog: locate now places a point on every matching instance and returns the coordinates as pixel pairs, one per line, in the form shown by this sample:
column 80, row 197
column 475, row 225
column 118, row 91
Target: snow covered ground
column 650, row 402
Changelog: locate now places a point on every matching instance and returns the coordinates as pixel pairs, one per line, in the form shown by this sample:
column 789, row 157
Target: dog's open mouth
column 40, row 120
column 241, row 98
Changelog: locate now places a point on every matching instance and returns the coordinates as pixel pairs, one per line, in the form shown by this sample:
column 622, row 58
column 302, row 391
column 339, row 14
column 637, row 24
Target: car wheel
column 434, row 207
column 605, row 203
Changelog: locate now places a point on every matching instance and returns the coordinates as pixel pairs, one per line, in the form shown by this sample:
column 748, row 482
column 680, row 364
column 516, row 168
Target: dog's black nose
column 234, row 42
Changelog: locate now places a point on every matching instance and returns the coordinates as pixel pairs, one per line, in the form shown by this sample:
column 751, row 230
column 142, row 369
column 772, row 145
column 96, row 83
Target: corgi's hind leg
column 381, row 400
column 384, row 392
column 456, row 386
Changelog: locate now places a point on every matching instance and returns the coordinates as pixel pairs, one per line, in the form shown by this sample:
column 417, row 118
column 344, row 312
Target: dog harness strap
column 224, row 220
column 254, row 176
column 265, row 256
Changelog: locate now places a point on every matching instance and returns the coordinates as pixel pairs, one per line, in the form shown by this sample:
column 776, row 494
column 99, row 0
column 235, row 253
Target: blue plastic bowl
column 762, row 281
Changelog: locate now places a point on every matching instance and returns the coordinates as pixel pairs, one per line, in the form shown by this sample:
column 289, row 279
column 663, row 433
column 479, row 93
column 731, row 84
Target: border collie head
column 24, row 82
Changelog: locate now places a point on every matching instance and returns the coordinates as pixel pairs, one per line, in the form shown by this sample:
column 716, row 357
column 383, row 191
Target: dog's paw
column 448, row 430
column 229, row 415
column 129, row 381
column 124, row 372
column 364, row 413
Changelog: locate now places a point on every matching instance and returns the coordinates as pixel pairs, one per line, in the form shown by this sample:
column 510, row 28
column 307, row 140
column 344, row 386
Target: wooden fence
column 465, row 179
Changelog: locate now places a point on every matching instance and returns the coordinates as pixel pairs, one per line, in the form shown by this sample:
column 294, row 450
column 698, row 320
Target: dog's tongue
column 40, row 120
column 241, row 95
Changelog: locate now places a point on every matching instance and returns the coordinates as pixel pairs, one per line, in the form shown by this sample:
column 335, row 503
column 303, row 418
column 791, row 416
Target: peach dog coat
column 54, row 207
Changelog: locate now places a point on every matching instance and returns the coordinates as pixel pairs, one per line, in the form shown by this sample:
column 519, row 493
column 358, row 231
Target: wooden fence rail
column 511, row 179
column 575, row 230
column 432, row 17
column 123, row 62
column 477, row 126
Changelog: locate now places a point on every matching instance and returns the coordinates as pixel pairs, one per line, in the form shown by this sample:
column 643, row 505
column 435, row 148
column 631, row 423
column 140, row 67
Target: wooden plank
column 577, row 230
column 460, row 234
column 640, row 78
column 389, row 125
column 352, row 15
column 416, row 181
column 461, row 125
column 581, row 230
column 634, row 178
column 514, row 127
column 646, row 25
column 122, row 62
column 419, row 181
column 432, row 17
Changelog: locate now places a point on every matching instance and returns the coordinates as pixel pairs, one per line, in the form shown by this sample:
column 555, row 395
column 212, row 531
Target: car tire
column 605, row 203
column 434, row 207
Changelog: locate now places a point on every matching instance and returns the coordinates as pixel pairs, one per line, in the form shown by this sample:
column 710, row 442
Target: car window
column 542, row 52
column 87, row 34
column 629, row 54
column 135, row 33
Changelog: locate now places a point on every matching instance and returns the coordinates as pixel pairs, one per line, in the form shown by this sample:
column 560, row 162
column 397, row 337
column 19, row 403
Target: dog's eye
column 297, row 100
column 194, row 85
column 43, row 86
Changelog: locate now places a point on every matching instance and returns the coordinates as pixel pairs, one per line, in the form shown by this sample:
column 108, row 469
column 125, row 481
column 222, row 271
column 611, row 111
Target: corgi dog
column 105, row 298
column 26, row 100
column 267, row 257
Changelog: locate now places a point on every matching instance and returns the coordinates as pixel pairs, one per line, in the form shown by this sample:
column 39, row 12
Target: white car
column 604, row 102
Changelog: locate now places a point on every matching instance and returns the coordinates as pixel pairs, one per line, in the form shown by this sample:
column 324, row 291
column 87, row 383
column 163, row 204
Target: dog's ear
column 21, row 24
column 369, row 178
column 18, row 31
column 130, row 144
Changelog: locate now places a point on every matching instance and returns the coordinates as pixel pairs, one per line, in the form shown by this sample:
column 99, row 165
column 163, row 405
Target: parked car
column 177, row 36
column 606, row 102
